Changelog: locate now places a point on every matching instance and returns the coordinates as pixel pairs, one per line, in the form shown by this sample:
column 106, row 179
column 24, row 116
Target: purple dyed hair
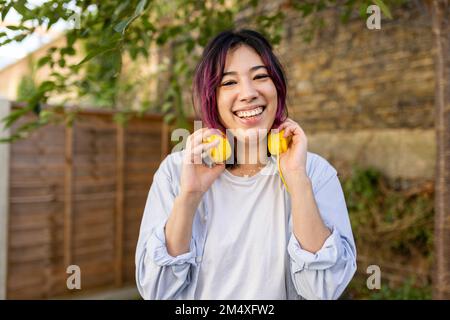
column 209, row 71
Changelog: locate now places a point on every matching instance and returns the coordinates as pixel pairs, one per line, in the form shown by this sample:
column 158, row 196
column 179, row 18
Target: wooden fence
column 76, row 197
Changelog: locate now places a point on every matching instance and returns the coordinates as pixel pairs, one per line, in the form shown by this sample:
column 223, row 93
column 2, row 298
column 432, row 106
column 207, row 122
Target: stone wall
column 365, row 96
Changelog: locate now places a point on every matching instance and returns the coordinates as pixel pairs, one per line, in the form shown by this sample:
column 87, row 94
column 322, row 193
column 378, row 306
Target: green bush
column 392, row 222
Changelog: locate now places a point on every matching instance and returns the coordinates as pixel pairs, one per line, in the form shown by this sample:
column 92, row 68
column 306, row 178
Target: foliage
column 408, row 289
column 27, row 88
column 393, row 228
column 387, row 217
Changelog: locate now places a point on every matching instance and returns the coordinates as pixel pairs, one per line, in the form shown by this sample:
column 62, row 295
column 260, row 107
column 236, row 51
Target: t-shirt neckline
column 267, row 170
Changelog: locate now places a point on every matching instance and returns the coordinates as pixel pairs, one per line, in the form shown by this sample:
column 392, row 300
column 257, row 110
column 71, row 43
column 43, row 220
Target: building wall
column 11, row 75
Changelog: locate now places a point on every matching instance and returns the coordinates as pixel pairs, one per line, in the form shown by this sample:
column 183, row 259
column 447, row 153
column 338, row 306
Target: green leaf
column 148, row 26
column 5, row 42
column 20, row 7
column 133, row 52
column 166, row 107
column 168, row 118
column 162, row 38
column 46, row 86
column 121, row 26
column 70, row 51
column 5, row 11
column 384, row 8
column 71, row 37
column 95, row 53
column 15, row 115
column 15, row 28
column 254, row 3
column 306, row 9
column 20, row 37
column 190, row 45
column 140, row 7
column 121, row 7
column 363, row 10
column 43, row 61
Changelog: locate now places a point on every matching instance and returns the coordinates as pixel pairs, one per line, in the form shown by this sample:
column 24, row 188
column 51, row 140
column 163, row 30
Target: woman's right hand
column 196, row 178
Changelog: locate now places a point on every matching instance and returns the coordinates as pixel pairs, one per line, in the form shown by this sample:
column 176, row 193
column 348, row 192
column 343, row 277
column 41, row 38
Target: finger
column 200, row 151
column 296, row 124
column 296, row 130
column 193, row 139
column 205, row 146
column 286, row 123
column 199, row 136
column 287, row 130
column 196, row 136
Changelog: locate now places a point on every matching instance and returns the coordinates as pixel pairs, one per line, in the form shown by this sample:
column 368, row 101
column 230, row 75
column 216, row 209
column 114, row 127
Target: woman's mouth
column 250, row 117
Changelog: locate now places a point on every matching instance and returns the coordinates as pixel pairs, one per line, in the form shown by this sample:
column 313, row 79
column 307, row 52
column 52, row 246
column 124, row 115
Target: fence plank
column 5, row 108
column 119, row 204
column 68, row 186
column 165, row 141
column 68, row 203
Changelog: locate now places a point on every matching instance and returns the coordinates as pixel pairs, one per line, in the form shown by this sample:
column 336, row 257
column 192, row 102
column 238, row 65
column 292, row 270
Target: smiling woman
column 232, row 231
column 244, row 95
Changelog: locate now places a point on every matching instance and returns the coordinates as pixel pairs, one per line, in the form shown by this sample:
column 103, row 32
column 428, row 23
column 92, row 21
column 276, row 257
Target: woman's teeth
column 251, row 113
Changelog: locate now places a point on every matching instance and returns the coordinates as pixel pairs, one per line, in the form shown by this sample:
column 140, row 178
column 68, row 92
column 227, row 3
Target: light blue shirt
column 321, row 275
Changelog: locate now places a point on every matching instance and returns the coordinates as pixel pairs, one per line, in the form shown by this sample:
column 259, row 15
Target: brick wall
column 372, row 88
column 350, row 77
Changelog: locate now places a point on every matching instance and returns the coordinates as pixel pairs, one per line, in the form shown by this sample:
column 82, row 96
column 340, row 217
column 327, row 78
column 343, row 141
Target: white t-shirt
column 248, row 212
column 242, row 242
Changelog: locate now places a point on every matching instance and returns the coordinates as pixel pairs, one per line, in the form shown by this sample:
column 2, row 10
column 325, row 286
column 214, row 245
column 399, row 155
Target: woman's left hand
column 293, row 161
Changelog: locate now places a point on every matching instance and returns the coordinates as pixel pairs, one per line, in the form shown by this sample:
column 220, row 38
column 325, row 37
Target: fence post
column 165, row 141
column 5, row 108
column 119, row 217
column 68, row 191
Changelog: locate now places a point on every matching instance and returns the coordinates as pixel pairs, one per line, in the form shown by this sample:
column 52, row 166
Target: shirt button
column 198, row 259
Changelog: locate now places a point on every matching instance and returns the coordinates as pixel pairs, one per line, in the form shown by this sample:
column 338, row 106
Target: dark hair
column 209, row 71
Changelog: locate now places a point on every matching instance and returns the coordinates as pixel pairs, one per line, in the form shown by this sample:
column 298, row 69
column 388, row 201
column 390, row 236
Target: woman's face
column 246, row 96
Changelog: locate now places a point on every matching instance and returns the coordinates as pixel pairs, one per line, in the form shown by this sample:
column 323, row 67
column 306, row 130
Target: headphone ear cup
column 277, row 143
column 221, row 152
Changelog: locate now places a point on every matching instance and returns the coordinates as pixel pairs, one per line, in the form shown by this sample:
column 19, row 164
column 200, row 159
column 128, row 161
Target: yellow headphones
column 276, row 142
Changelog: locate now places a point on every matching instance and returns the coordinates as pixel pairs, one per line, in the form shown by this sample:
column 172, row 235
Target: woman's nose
column 248, row 92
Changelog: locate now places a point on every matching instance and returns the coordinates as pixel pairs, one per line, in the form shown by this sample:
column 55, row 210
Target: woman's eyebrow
column 251, row 70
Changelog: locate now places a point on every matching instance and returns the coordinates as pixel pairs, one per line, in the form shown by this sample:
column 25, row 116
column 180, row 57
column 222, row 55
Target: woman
column 233, row 231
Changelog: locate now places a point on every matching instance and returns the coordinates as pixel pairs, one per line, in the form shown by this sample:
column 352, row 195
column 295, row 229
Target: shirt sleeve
column 158, row 274
column 326, row 273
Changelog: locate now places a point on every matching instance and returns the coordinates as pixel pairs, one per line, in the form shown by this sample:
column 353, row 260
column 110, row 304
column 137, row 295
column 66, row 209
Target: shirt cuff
column 323, row 259
column 159, row 252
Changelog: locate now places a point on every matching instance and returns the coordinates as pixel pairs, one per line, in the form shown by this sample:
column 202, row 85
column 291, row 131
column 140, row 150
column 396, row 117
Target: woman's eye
column 227, row 83
column 261, row 76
